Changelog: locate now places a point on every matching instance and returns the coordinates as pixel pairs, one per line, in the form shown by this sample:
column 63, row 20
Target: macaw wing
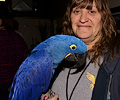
column 33, row 77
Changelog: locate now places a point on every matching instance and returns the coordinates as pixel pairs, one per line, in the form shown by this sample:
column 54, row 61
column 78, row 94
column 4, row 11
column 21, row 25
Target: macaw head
column 61, row 46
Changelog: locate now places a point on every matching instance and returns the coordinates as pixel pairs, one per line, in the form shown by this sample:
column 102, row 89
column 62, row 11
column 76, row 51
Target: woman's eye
column 92, row 12
column 76, row 11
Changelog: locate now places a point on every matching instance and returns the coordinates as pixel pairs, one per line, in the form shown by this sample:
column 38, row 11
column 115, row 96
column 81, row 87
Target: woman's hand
column 55, row 97
column 50, row 95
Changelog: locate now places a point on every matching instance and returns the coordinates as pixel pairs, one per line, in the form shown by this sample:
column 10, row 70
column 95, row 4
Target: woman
column 92, row 22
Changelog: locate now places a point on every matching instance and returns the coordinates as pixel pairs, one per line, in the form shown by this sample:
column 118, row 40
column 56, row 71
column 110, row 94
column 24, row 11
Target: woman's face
column 86, row 24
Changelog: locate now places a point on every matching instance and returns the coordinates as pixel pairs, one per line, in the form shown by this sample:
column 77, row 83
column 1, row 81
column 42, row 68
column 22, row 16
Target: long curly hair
column 107, row 30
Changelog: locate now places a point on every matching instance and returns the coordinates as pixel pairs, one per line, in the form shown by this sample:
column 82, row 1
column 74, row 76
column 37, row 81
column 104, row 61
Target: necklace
column 76, row 82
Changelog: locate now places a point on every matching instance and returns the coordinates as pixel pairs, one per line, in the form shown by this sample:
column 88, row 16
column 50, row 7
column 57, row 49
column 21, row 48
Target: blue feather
column 34, row 75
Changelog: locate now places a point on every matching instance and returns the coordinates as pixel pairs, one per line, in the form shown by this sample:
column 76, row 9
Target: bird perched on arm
column 34, row 75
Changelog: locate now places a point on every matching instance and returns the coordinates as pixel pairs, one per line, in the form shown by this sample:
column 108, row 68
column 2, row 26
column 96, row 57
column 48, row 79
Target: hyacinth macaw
column 34, row 74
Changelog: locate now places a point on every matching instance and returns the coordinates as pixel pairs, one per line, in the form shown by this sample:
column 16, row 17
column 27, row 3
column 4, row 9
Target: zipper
column 109, row 86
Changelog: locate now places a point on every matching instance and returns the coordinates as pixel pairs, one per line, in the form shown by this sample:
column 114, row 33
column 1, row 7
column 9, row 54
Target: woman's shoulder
column 112, row 59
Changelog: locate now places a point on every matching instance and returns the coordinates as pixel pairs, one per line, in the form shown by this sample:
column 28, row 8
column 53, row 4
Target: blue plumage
column 34, row 75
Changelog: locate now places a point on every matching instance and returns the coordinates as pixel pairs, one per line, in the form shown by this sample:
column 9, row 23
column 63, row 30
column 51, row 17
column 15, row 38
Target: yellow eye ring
column 73, row 47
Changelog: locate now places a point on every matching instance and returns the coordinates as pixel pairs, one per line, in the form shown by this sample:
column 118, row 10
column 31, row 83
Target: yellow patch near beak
column 67, row 55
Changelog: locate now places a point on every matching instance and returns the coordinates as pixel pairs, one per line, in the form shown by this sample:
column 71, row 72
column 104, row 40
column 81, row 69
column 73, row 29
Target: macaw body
column 34, row 75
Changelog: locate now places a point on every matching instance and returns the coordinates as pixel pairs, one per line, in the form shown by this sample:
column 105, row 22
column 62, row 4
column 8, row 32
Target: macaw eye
column 73, row 47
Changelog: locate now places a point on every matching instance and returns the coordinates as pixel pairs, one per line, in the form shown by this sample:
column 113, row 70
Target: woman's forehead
column 85, row 4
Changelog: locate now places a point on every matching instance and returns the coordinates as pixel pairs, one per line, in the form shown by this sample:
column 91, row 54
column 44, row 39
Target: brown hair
column 108, row 28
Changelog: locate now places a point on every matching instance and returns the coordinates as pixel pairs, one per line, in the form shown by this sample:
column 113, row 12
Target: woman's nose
column 84, row 18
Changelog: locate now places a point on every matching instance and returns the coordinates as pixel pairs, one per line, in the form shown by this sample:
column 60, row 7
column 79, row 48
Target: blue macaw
column 34, row 74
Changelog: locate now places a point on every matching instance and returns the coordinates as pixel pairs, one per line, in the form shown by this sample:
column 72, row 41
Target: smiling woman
column 92, row 22
column 86, row 24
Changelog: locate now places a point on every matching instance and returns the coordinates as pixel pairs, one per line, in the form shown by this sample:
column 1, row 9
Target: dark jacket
column 13, row 51
column 108, row 80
